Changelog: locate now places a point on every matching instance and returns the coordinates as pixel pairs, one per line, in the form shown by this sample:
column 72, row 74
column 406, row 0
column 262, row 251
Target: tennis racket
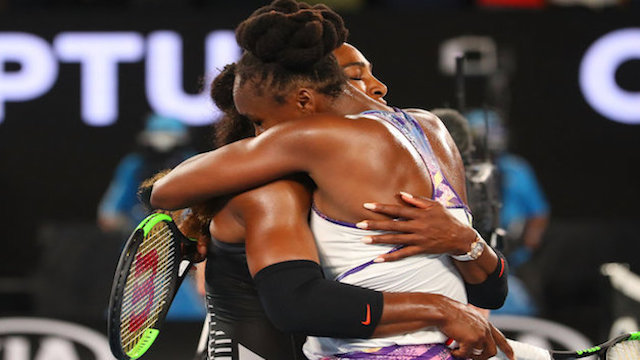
column 623, row 347
column 153, row 263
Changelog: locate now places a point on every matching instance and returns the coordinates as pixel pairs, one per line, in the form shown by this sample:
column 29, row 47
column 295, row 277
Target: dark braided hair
column 232, row 126
column 287, row 43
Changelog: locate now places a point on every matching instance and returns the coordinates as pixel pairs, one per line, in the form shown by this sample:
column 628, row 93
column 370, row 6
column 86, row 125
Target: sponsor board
column 48, row 339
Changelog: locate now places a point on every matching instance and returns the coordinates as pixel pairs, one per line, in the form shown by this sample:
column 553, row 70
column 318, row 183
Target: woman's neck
column 354, row 101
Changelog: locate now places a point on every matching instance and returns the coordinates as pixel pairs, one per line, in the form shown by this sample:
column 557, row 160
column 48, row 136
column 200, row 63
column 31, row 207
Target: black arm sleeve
column 491, row 293
column 297, row 298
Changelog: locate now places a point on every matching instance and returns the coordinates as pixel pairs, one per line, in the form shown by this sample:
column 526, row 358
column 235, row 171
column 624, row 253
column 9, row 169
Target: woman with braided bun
column 287, row 73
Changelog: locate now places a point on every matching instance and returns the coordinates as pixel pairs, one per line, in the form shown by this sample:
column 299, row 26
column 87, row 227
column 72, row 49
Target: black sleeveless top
column 236, row 315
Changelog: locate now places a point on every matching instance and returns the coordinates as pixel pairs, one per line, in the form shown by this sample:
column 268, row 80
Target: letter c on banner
column 598, row 76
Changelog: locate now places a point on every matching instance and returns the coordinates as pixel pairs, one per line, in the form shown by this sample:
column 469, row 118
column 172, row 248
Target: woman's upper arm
column 276, row 222
column 450, row 156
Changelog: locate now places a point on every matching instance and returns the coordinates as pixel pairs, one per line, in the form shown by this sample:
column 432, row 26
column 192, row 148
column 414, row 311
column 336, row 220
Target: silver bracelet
column 477, row 248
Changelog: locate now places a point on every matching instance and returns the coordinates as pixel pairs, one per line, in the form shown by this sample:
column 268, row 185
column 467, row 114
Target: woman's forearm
column 407, row 312
column 297, row 298
column 232, row 168
column 404, row 307
column 236, row 167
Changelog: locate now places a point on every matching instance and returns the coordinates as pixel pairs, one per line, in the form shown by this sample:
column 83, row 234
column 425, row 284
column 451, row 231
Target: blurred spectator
column 524, row 212
column 163, row 144
column 459, row 130
column 483, row 193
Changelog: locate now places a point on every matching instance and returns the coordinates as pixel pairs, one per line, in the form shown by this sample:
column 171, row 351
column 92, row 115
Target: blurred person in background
column 164, row 143
column 524, row 213
column 460, row 131
column 483, row 191
column 481, row 180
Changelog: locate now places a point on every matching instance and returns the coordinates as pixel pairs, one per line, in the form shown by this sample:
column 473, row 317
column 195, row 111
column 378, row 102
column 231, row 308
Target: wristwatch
column 477, row 247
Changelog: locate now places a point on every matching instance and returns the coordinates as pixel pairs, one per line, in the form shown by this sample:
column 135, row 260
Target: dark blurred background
column 524, row 58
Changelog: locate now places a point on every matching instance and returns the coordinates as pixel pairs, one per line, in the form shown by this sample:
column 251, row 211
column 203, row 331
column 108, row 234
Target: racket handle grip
column 189, row 248
column 524, row 351
column 521, row 351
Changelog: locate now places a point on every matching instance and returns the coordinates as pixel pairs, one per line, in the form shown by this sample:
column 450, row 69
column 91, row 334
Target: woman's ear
column 306, row 100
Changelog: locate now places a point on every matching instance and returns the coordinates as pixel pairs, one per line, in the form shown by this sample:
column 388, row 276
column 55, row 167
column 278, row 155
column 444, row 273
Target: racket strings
column 625, row 350
column 137, row 320
column 147, row 285
column 136, row 281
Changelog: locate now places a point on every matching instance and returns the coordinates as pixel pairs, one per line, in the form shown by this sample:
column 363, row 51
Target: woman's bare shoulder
column 286, row 196
column 426, row 119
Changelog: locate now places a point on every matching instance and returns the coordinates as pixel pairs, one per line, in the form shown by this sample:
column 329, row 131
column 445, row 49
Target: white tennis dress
column 345, row 258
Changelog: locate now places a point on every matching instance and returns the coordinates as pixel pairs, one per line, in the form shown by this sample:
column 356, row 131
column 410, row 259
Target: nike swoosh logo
column 367, row 320
column 501, row 267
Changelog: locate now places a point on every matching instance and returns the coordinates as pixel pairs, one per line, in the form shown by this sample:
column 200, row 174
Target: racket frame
column 127, row 257
column 600, row 350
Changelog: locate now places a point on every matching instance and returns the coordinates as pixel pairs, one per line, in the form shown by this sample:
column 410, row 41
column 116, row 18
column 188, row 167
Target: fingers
column 490, row 348
column 467, row 350
column 394, row 211
column 402, row 211
column 502, row 343
column 418, row 202
column 478, row 351
column 390, row 225
column 392, row 239
column 399, row 254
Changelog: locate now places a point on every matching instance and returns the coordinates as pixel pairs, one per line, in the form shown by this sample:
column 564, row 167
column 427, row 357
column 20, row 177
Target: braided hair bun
column 291, row 34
